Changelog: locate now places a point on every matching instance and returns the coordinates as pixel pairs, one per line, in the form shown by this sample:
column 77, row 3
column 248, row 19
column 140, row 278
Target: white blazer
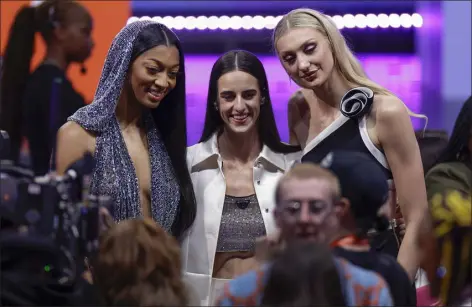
column 205, row 168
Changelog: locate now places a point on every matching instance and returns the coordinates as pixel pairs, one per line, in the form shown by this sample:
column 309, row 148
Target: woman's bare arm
column 396, row 135
column 72, row 143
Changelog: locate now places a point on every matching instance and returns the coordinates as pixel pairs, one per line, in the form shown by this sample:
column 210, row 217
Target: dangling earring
column 263, row 100
column 216, row 105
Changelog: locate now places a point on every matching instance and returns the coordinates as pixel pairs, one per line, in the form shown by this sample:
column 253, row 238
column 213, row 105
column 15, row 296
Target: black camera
column 58, row 208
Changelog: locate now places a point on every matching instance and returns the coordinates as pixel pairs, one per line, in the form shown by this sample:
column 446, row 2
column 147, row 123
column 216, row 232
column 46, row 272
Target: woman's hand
column 400, row 228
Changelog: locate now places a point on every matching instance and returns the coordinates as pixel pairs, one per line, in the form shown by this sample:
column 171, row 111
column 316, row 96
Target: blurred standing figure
column 348, row 111
column 432, row 143
column 449, row 186
column 1, row 75
column 36, row 105
column 234, row 171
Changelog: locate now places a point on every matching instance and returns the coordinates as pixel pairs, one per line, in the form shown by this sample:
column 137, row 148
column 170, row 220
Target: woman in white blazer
column 234, row 169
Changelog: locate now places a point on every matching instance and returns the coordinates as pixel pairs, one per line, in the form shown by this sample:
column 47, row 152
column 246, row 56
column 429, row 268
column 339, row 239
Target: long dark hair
column 304, row 274
column 17, row 61
column 457, row 148
column 244, row 61
column 170, row 120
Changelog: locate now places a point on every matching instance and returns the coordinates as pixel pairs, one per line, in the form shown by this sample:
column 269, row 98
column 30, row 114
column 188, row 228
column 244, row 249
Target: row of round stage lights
column 268, row 22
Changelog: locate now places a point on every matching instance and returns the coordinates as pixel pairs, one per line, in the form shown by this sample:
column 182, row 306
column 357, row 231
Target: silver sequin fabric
column 114, row 174
column 241, row 224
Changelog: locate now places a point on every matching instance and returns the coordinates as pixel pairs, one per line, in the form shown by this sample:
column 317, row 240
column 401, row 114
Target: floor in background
column 401, row 74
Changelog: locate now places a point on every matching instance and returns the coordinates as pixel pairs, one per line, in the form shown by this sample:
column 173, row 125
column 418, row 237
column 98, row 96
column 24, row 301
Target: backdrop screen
column 401, row 74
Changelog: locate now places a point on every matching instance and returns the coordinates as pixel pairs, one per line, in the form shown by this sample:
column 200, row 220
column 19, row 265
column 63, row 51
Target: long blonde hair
column 344, row 60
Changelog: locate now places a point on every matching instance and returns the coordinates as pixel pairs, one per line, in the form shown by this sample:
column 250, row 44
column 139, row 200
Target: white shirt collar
column 209, row 150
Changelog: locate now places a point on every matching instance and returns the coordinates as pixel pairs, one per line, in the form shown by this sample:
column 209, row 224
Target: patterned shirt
column 360, row 287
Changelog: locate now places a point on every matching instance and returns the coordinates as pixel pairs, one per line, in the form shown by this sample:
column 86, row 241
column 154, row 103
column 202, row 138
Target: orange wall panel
column 8, row 10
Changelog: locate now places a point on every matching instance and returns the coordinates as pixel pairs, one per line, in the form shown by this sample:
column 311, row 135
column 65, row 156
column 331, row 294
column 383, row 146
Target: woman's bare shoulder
column 73, row 130
column 72, row 133
column 388, row 109
column 389, row 105
column 73, row 141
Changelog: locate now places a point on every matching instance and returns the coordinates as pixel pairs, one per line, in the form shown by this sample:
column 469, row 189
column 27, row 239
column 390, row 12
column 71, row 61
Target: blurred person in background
column 348, row 111
column 453, row 169
column 234, row 169
column 138, row 264
column 307, row 209
column 448, row 263
column 432, row 143
column 136, row 129
column 365, row 191
column 36, row 104
column 1, row 83
column 449, row 184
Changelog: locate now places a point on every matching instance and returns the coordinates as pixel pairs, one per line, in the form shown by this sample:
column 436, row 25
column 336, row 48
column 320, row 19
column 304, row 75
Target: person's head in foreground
column 347, row 193
column 304, row 274
column 138, row 264
column 306, row 204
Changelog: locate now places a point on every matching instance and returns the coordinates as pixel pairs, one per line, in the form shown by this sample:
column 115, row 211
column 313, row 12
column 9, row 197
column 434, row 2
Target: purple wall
column 141, row 8
column 399, row 73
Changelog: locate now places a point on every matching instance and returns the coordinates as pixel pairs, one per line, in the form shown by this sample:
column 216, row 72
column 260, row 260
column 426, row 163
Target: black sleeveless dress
column 350, row 134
